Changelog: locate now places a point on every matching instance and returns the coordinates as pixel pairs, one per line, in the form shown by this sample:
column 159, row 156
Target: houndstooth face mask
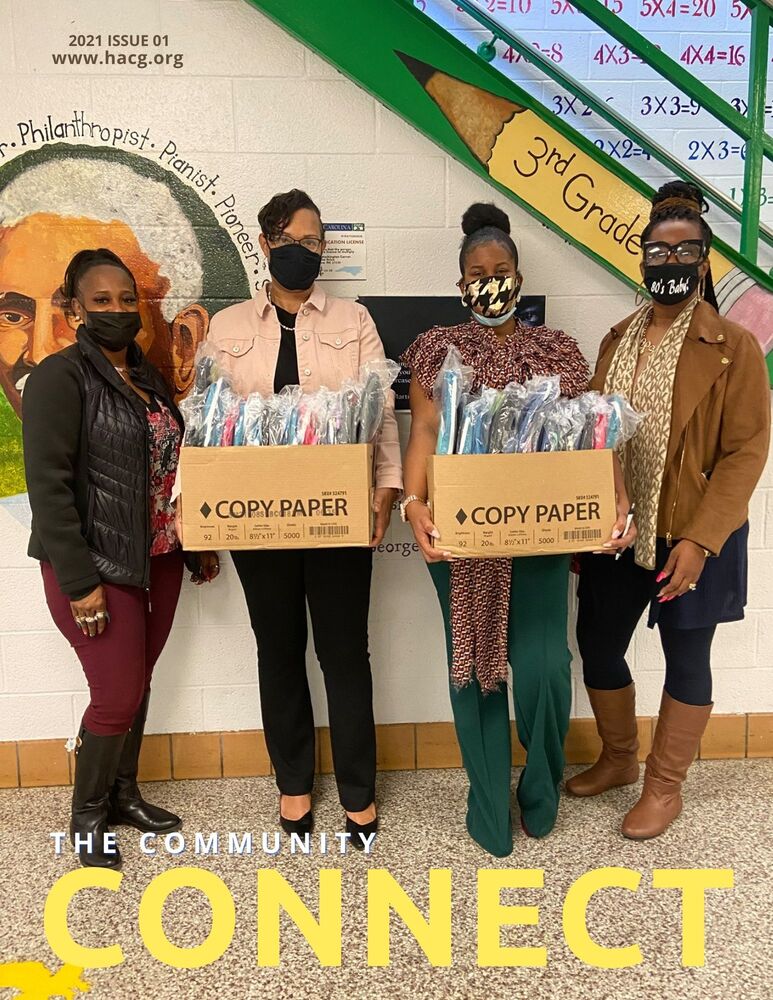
column 491, row 297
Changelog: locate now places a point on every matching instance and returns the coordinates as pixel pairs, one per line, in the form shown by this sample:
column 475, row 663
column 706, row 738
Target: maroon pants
column 119, row 663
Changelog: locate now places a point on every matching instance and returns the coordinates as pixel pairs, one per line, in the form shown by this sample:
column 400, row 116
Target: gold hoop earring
column 640, row 299
column 702, row 287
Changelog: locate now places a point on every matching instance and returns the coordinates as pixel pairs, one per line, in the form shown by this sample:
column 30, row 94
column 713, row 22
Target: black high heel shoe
column 300, row 826
column 366, row 829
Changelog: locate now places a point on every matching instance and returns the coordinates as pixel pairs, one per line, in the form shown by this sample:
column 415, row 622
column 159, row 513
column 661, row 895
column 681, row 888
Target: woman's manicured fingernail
column 435, row 533
column 616, row 533
column 607, row 545
column 659, row 577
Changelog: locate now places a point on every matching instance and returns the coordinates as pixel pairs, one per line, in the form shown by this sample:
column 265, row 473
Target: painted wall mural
column 61, row 198
column 504, row 134
column 559, row 180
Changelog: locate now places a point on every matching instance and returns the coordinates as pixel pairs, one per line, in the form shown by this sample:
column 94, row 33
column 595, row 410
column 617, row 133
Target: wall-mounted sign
column 344, row 256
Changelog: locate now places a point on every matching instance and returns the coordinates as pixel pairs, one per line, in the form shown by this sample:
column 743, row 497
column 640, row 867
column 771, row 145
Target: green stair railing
column 422, row 72
column 751, row 128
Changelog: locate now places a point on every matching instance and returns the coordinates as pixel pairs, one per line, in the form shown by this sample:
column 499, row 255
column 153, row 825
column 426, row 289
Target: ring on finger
column 692, row 586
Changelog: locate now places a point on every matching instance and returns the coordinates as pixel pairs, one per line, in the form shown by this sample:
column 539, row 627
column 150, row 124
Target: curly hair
column 276, row 213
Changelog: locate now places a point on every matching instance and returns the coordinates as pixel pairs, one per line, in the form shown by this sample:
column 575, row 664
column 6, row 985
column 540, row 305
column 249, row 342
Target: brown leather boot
column 618, row 763
column 674, row 745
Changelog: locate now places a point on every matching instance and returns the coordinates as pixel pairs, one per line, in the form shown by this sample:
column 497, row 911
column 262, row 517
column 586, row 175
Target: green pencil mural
column 502, row 133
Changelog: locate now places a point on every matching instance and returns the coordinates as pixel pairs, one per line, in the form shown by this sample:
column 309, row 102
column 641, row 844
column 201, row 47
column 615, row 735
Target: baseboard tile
column 404, row 746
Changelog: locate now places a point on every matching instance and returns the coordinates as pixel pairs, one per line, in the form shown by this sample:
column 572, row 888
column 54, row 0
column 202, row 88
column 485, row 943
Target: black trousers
column 612, row 599
column 336, row 584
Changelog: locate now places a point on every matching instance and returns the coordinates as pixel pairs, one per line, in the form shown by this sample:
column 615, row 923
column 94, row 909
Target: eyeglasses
column 686, row 252
column 309, row 242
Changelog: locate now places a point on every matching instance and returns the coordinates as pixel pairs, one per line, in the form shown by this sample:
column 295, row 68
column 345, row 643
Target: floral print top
column 165, row 439
column 480, row 588
column 528, row 351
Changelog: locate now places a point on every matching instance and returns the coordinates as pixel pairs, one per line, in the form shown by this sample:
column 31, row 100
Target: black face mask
column 294, row 266
column 671, row 283
column 112, row 330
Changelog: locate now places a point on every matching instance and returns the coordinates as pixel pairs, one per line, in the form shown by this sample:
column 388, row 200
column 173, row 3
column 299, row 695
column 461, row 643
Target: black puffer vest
column 115, row 448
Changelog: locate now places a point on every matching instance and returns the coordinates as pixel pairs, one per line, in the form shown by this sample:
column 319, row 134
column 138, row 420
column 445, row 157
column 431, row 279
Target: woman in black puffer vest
column 101, row 442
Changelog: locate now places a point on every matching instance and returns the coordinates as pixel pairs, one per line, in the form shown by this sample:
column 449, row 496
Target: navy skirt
column 721, row 592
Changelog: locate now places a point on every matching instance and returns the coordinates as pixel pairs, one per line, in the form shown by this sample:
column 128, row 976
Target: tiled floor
column 726, row 825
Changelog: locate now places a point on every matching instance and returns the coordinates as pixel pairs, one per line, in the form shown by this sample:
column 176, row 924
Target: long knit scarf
column 644, row 457
column 480, row 588
column 480, row 604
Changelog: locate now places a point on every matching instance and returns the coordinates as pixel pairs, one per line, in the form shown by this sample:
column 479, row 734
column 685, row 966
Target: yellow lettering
column 433, row 935
column 575, row 918
column 152, row 926
column 57, row 932
column 492, row 916
column 275, row 893
column 693, row 882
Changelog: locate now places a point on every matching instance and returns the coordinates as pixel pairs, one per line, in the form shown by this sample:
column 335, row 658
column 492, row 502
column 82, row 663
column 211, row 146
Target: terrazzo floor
column 726, row 824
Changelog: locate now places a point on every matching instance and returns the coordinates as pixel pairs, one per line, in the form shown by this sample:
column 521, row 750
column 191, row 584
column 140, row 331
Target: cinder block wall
column 254, row 106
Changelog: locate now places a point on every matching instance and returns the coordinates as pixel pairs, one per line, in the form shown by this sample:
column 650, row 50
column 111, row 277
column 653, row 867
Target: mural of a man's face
column 35, row 320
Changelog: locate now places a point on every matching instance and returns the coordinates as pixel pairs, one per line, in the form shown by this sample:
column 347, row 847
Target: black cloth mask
column 294, row 267
column 671, row 283
column 112, row 330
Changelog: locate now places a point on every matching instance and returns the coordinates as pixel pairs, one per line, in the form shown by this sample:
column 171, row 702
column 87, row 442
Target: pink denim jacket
column 333, row 337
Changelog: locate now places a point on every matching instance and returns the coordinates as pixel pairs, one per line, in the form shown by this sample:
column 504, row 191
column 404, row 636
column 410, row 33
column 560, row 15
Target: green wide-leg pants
column 541, row 664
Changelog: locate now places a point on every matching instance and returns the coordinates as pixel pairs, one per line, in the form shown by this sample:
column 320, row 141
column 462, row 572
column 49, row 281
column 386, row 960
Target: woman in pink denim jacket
column 293, row 333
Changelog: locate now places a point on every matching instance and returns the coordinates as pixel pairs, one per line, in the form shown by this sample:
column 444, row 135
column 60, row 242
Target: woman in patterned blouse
column 497, row 610
column 101, row 442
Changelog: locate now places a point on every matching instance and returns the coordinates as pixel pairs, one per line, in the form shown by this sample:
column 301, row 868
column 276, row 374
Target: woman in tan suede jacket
column 690, row 471
column 718, row 443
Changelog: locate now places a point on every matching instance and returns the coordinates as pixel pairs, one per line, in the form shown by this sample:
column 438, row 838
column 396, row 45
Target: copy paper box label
column 512, row 505
column 285, row 497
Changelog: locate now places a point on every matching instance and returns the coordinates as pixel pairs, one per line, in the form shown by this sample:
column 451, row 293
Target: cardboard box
column 285, row 497
column 514, row 505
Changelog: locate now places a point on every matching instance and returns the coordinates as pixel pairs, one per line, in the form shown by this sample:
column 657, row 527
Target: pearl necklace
column 290, row 329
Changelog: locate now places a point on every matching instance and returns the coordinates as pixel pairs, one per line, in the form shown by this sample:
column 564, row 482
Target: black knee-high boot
column 126, row 803
column 96, row 763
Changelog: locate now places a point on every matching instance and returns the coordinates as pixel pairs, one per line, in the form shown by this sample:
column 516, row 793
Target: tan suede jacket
column 720, row 428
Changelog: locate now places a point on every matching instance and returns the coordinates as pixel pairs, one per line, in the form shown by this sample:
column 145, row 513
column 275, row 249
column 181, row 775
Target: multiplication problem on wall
column 675, row 8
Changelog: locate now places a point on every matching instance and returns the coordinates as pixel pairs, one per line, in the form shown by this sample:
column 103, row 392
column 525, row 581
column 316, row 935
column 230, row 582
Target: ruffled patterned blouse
column 480, row 588
column 164, row 455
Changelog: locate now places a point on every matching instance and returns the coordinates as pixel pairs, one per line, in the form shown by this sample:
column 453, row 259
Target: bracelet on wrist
column 406, row 501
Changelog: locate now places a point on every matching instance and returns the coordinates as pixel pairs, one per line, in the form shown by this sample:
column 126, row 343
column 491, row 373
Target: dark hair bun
column 483, row 215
